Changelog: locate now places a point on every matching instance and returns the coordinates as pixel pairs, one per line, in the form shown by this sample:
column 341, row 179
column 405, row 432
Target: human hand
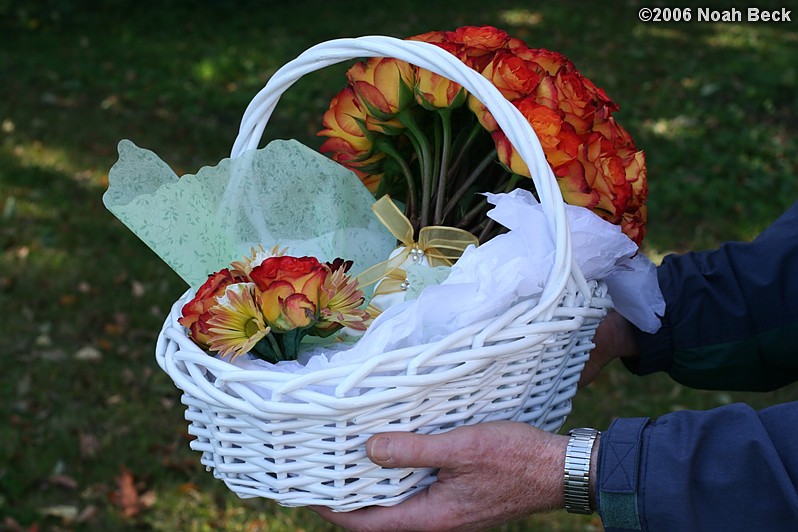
column 489, row 474
column 614, row 339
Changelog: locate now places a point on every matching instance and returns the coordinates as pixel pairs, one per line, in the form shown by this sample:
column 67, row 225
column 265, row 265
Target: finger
column 407, row 449
column 416, row 513
column 589, row 373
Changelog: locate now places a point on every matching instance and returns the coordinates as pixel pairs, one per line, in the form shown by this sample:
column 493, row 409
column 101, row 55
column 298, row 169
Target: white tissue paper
column 487, row 280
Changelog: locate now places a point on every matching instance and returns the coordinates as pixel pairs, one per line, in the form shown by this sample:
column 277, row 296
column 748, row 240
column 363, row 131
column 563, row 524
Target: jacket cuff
column 656, row 351
column 656, row 348
column 618, row 474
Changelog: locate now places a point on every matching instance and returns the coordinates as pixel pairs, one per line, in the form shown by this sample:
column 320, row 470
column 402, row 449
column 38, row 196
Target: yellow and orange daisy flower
column 237, row 323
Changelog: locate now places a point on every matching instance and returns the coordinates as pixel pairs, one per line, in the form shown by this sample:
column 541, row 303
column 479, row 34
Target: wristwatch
column 576, row 476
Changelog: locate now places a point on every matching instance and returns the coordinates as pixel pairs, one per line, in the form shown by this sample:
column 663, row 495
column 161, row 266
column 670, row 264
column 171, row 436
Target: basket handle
column 435, row 59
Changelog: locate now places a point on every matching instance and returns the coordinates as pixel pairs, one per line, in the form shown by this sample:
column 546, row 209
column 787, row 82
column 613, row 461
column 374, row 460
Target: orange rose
column 600, row 99
column 570, row 176
column 435, row 37
column 575, row 100
column 343, row 122
column 575, row 188
column 197, row 312
column 513, row 76
column 614, row 191
column 618, row 177
column 507, row 154
column 636, row 174
column 633, row 224
column 482, row 113
column 383, row 86
column 347, row 142
column 557, row 139
column 368, row 169
column 547, row 93
column 478, row 44
column 610, row 129
column 437, row 92
column 556, row 64
column 298, row 271
column 289, row 290
column 286, row 310
column 434, row 91
column 484, row 38
column 546, row 123
column 551, row 62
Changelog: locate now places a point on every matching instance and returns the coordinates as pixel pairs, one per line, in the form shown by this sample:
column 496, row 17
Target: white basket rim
column 447, row 354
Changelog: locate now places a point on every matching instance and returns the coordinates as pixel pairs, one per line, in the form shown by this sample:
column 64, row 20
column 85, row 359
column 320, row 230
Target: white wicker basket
column 301, row 446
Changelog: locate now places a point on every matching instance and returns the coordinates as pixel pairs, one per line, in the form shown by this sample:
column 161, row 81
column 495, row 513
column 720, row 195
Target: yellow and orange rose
column 289, row 290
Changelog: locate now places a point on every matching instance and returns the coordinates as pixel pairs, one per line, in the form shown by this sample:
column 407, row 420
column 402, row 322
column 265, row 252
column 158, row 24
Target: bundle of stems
column 438, row 167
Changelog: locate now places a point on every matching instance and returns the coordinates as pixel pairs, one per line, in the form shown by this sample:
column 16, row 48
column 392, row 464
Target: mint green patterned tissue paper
column 284, row 194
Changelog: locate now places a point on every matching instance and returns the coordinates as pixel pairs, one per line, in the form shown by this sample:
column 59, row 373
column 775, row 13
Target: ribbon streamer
column 440, row 244
column 394, row 281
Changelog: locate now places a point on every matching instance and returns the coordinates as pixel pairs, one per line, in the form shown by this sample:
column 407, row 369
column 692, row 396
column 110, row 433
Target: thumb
column 407, row 449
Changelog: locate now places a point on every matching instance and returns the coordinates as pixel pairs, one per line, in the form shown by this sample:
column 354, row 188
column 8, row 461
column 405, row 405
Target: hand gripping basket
column 301, row 446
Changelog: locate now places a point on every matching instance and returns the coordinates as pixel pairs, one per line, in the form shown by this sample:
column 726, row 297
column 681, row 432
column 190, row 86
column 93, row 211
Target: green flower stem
column 403, row 163
column 437, row 128
column 470, row 215
column 388, row 149
column 506, row 186
column 472, row 136
column 483, row 235
column 509, row 185
column 487, row 228
column 421, row 144
column 446, row 123
column 472, row 177
column 276, row 346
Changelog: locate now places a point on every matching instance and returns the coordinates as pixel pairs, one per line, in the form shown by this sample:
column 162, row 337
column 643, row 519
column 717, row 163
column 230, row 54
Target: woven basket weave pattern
column 300, row 439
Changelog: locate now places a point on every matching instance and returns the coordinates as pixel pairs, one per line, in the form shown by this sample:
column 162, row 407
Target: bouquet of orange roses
column 424, row 140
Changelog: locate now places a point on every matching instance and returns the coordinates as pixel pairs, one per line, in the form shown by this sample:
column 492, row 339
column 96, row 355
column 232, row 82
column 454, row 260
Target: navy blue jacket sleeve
column 731, row 323
column 729, row 469
column 731, row 319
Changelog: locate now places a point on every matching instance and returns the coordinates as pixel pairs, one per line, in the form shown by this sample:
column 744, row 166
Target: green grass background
column 81, row 299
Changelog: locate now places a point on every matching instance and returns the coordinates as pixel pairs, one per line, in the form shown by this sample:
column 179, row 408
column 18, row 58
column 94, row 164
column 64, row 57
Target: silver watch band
column 576, row 478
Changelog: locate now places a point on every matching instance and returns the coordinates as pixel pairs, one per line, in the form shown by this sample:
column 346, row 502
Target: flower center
column 251, row 328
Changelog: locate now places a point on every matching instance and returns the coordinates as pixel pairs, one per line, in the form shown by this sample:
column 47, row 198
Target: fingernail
column 381, row 449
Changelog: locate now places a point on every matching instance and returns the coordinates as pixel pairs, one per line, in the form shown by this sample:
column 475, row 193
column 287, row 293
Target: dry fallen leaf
column 130, row 498
column 126, row 498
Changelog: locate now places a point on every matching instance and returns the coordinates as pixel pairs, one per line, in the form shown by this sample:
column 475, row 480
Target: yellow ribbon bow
column 441, row 245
